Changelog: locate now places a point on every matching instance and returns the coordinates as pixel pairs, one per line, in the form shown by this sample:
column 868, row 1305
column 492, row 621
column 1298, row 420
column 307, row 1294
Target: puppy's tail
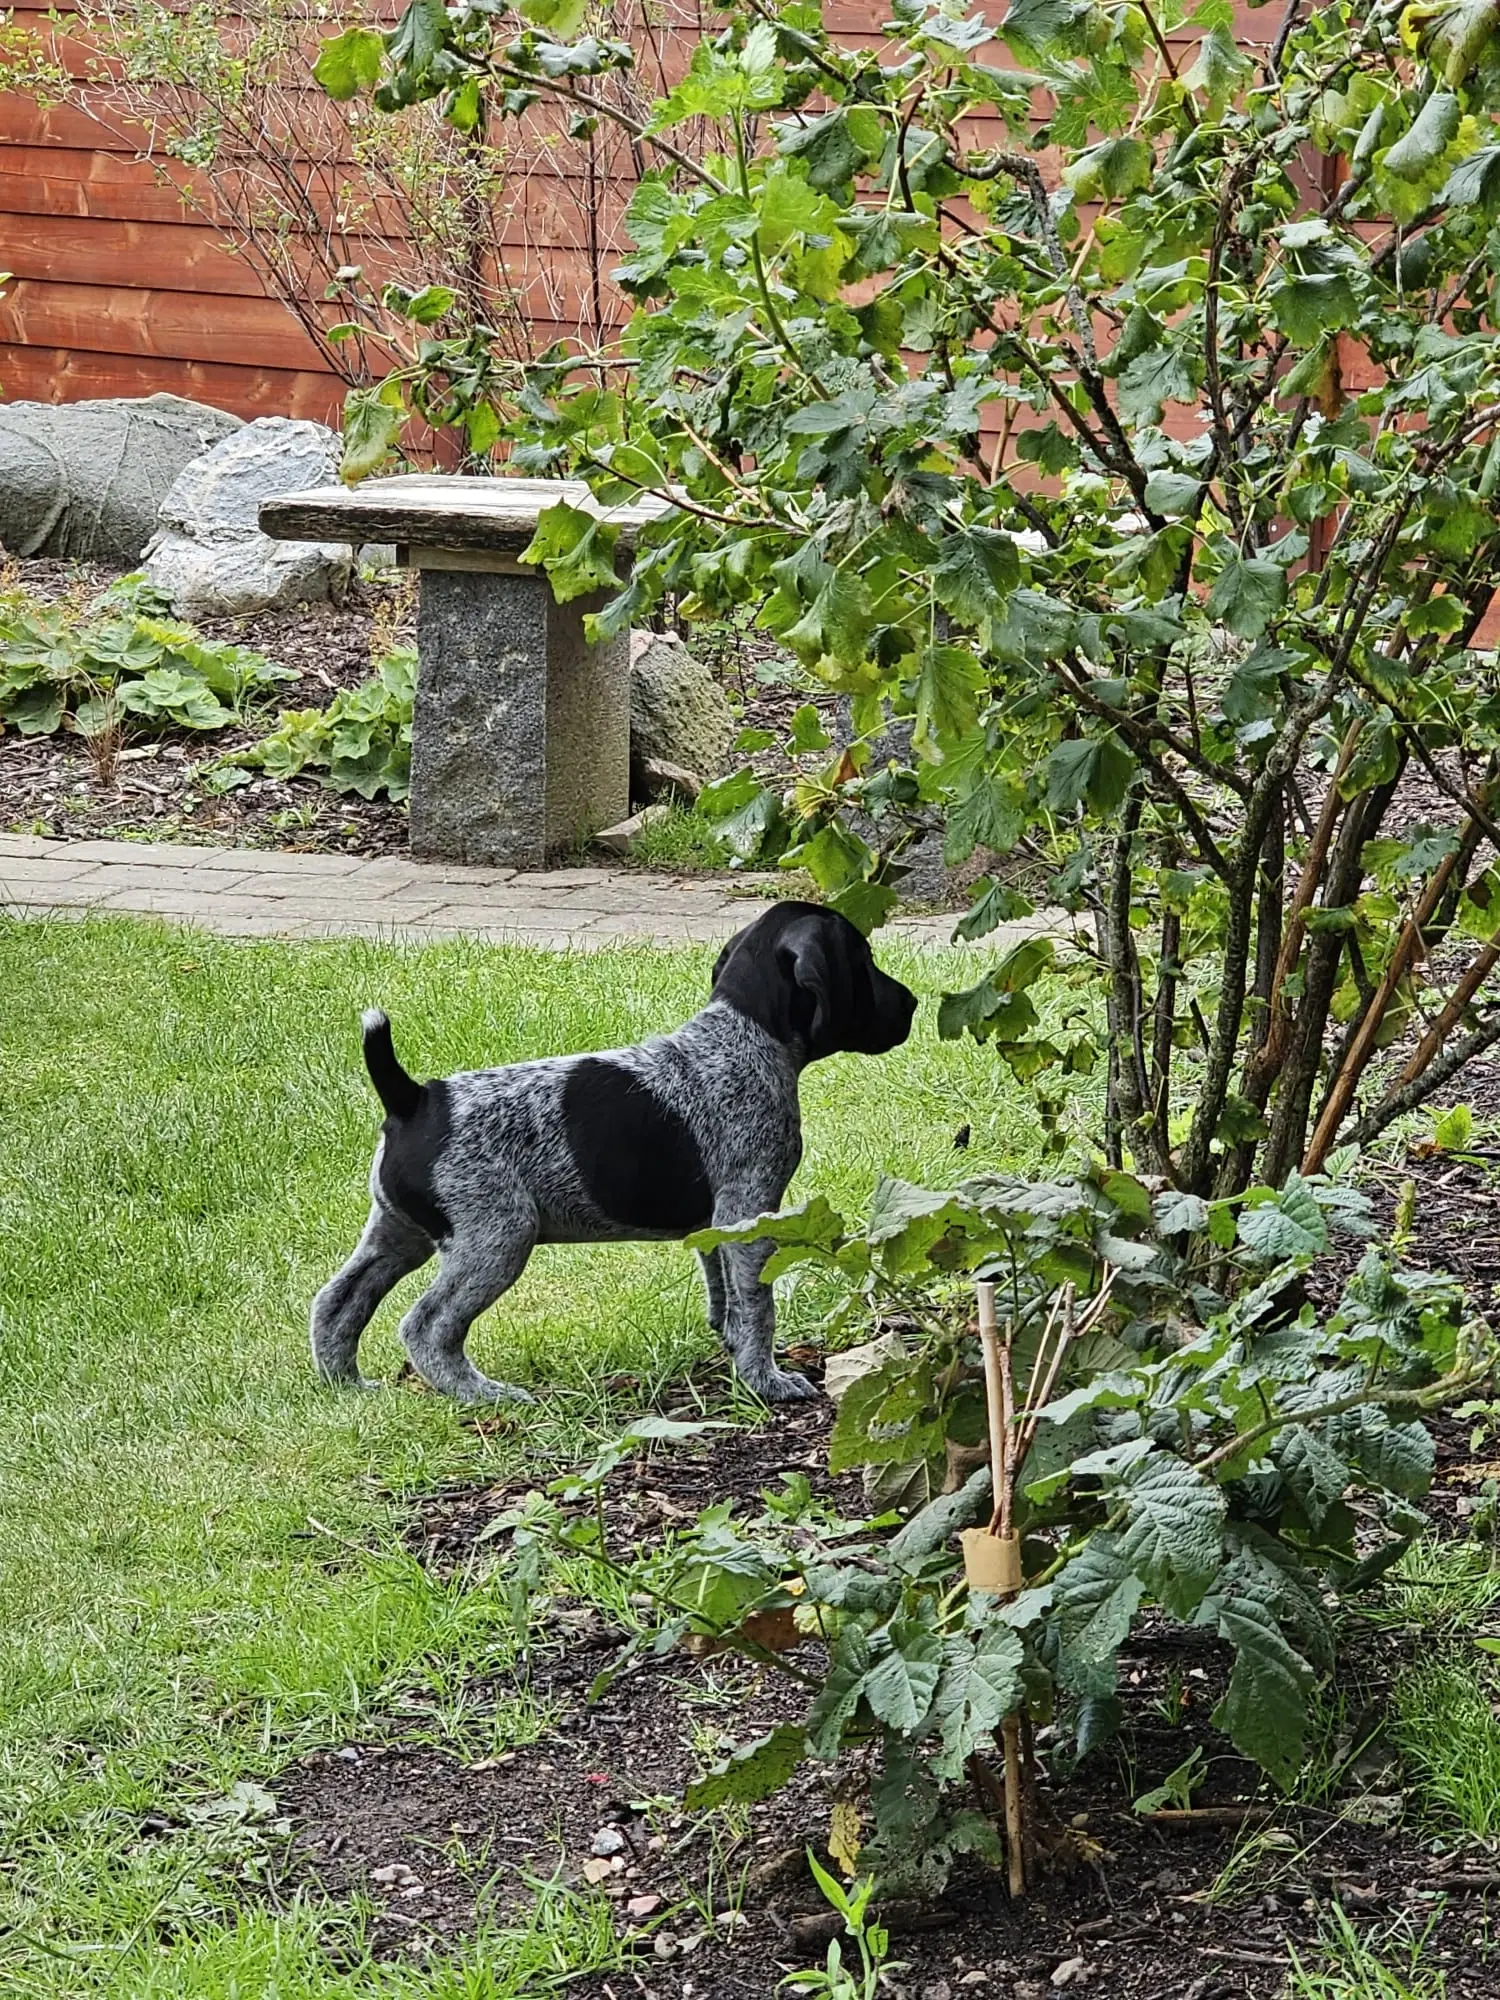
column 399, row 1093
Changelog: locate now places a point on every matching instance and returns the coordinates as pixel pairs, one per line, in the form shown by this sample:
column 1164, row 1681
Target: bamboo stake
column 993, row 1557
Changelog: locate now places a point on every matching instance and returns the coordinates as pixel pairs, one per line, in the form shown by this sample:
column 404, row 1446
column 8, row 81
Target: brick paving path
column 247, row 892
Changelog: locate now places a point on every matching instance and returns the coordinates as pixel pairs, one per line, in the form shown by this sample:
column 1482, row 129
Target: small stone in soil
column 641, row 1907
column 608, row 1840
column 393, row 1871
column 1072, row 1972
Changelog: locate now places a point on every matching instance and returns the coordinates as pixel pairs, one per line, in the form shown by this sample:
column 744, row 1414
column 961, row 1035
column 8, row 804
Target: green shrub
column 123, row 664
column 361, row 742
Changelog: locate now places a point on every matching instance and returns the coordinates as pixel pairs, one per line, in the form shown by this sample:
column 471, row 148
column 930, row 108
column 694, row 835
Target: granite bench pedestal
column 521, row 729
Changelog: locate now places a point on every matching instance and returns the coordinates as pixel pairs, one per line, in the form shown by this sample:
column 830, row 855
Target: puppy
column 700, row 1126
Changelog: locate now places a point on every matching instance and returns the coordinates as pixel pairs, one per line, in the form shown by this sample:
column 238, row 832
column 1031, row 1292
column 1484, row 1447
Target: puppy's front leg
column 713, row 1285
column 750, row 1324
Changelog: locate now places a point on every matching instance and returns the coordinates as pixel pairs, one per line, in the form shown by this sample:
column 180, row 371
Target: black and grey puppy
column 700, row 1126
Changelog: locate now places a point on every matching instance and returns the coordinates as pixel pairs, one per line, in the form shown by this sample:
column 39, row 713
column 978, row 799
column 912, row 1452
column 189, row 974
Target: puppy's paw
column 486, row 1391
column 781, row 1385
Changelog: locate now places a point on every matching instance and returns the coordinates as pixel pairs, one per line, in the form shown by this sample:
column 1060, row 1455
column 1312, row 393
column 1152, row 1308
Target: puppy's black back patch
column 637, row 1159
column 412, row 1146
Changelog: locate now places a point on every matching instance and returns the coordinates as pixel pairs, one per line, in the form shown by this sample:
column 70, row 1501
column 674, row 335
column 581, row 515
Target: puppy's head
column 809, row 978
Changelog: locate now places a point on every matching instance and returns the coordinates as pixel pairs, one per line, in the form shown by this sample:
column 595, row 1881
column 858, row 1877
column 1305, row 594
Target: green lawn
column 185, row 1135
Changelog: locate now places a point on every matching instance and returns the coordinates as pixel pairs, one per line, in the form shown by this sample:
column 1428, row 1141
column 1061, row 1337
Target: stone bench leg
column 521, row 731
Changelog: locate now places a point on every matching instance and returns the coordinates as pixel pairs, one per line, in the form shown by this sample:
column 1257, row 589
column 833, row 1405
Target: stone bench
column 521, row 730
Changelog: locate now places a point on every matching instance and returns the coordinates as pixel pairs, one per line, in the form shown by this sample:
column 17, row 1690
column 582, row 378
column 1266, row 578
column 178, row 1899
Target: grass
column 679, row 840
column 1449, row 1738
column 202, row 1574
column 1385, row 1965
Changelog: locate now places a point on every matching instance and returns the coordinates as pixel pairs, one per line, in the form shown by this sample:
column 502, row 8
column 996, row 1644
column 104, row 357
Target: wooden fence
column 118, row 289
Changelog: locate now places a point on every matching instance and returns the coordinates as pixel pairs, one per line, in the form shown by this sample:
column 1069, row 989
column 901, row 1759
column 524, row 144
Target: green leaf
column 1312, row 1469
column 865, row 904
column 1096, row 768
column 1095, row 1598
column 1161, row 375
column 1174, row 493
column 1307, row 307
column 1176, row 1213
column 901, row 1683
column 1113, row 169
column 372, row 424
column 561, row 18
column 753, row 1773
column 990, row 814
column 1398, row 1457
column 1474, row 182
column 1291, row 1225
column 575, row 549
column 1174, row 1530
column 350, row 62
column 975, row 570
column 1264, row 1712
column 948, row 684
column 1219, row 67
column 1453, row 1130
column 1433, row 130
column 839, row 1696
column 1455, row 36
column 1247, row 594
column 980, row 1685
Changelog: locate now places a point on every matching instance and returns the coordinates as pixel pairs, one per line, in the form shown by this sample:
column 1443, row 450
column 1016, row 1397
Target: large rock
column 679, row 714
column 86, row 479
column 209, row 555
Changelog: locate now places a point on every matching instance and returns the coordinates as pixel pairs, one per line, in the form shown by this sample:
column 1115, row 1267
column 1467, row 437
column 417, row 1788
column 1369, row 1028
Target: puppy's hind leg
column 475, row 1271
column 390, row 1248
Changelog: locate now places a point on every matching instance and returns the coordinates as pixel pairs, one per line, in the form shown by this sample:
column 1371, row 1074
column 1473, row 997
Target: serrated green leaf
column 975, row 570
column 1264, row 1712
column 350, row 62
column 1312, row 1469
column 1292, row 1225
column 1432, row 130
column 1176, row 1213
column 1174, row 1530
column 980, row 1685
column 1247, row 594
column 903, row 1678
column 839, row 1696
column 1094, row 1600
column 753, row 1773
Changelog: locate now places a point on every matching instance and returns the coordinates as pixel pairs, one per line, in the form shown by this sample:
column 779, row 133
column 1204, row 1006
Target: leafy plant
column 1151, row 492
column 125, row 665
column 361, row 742
column 1227, row 1462
column 833, row 1980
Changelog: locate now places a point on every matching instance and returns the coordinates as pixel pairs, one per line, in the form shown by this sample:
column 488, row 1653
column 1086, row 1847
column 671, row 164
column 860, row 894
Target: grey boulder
column 209, row 554
column 681, row 724
column 85, row 480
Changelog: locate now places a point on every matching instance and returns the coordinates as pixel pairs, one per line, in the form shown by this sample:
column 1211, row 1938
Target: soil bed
column 1128, row 1907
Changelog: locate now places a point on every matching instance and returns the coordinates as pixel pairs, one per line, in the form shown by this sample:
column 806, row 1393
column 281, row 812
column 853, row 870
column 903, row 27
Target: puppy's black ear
column 816, row 961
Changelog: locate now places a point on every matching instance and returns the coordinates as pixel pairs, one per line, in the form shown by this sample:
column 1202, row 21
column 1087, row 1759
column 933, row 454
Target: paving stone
column 16, row 868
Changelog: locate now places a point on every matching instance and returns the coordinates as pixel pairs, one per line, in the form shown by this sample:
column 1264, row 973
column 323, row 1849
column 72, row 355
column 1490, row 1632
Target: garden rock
column 85, row 480
column 209, row 555
column 679, row 715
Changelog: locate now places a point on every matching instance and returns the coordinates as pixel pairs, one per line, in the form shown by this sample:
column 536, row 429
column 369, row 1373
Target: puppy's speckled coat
column 700, row 1126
